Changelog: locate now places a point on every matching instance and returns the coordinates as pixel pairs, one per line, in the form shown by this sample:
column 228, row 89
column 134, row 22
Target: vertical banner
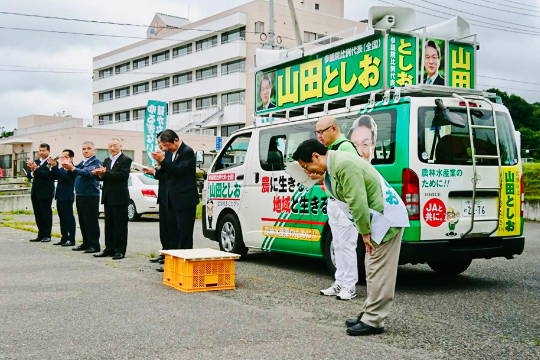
column 402, row 60
column 461, row 69
column 509, row 220
column 433, row 62
column 155, row 121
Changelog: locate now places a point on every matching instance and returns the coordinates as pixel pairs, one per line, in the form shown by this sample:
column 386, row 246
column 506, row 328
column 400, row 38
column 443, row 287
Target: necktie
column 428, row 82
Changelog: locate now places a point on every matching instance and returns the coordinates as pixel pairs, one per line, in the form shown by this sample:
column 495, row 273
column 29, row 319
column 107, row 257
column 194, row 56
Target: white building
column 202, row 69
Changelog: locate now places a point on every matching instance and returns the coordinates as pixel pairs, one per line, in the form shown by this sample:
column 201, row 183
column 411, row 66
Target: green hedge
column 531, row 181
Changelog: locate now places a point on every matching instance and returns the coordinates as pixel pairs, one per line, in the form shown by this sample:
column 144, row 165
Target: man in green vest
column 379, row 215
column 344, row 232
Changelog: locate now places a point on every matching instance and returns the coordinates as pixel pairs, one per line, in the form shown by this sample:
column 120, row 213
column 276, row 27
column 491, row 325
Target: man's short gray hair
column 366, row 121
column 115, row 139
column 89, row 143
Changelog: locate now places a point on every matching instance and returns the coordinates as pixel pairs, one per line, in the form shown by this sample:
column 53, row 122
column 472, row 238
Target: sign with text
column 402, row 60
column 155, row 121
column 461, row 69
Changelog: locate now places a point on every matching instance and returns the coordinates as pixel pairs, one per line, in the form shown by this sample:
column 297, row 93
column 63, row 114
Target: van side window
column 385, row 138
column 276, row 145
column 234, row 153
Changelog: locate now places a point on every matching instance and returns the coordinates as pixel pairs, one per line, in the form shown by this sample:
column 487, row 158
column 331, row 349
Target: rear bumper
column 469, row 248
column 208, row 233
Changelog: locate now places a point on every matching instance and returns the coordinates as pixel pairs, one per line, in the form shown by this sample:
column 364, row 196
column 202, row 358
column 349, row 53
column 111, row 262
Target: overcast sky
column 25, row 91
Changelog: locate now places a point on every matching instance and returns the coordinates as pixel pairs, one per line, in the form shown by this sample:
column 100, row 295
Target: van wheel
column 329, row 257
column 132, row 212
column 230, row 236
column 452, row 267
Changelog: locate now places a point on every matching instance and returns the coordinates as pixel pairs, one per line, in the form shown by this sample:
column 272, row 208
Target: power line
column 515, row 2
column 506, row 11
column 517, row 81
column 512, row 6
column 504, row 87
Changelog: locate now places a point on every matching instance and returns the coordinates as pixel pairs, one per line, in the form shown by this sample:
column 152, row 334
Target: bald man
column 344, row 231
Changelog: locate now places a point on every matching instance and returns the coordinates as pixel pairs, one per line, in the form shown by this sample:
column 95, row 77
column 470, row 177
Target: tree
column 62, row 114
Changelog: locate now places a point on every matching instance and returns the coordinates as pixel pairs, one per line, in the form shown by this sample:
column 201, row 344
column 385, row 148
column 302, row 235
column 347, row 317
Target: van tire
column 360, row 254
column 230, row 237
column 451, row 267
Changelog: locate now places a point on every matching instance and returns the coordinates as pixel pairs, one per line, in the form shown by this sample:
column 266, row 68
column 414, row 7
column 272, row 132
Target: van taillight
column 522, row 196
column 471, row 104
column 410, row 193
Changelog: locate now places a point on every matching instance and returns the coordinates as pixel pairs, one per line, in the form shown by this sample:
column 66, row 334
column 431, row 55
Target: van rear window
column 453, row 145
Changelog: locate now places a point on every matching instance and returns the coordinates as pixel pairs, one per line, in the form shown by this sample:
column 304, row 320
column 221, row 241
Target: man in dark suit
column 42, row 193
column 115, row 197
column 87, row 200
column 64, row 198
column 178, row 166
column 432, row 62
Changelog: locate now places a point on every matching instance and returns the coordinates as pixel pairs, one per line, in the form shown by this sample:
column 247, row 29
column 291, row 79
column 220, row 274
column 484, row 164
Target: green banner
column 350, row 69
column 155, row 121
column 401, row 60
column 461, row 69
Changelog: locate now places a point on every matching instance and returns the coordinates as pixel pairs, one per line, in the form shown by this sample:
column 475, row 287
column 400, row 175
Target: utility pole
column 271, row 34
column 295, row 23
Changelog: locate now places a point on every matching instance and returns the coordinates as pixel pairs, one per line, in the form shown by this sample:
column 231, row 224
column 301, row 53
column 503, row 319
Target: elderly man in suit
column 178, row 166
column 115, row 197
column 64, row 198
column 42, row 193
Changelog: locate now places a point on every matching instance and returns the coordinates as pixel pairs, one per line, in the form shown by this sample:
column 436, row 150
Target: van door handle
column 240, row 177
column 256, row 178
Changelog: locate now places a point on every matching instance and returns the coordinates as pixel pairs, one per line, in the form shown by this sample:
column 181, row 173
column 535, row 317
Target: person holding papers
column 379, row 215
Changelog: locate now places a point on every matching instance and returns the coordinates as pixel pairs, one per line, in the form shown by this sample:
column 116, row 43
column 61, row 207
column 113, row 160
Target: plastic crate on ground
column 196, row 270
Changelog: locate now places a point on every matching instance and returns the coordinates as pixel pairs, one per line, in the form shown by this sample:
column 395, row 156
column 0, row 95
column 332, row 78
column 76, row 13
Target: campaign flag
column 155, row 121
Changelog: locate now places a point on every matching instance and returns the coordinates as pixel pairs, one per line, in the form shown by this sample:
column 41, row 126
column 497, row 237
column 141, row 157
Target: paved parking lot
column 58, row 303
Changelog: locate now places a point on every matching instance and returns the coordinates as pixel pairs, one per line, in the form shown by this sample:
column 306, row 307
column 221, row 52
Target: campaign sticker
column 434, row 212
column 425, row 155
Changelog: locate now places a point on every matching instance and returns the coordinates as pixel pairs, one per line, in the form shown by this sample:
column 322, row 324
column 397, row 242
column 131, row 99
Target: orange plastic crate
column 199, row 270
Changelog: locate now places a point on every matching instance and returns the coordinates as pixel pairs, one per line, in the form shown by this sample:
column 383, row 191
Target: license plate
column 479, row 208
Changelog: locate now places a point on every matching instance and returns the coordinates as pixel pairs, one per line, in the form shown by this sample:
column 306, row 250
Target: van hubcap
column 227, row 236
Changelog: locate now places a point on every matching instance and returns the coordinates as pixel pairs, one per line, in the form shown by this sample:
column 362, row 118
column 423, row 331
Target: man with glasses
column 363, row 135
column 344, row 232
column 265, row 93
column 432, row 62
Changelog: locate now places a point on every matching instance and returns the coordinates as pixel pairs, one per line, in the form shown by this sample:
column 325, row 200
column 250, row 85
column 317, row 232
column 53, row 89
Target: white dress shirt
column 113, row 158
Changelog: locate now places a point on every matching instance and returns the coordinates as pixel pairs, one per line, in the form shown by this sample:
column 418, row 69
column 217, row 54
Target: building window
column 128, row 153
column 145, row 159
column 105, row 119
column 122, row 116
column 140, row 63
column 316, row 6
column 206, row 73
column 160, row 84
column 105, row 73
column 181, row 107
column 226, row 131
column 182, row 78
column 123, row 92
column 140, row 88
column 206, row 43
column 236, row 34
column 102, row 154
column 309, row 36
column 233, row 66
column 182, row 50
column 106, row 96
column 238, row 97
column 159, row 57
column 5, row 161
column 259, row 27
column 124, row 68
column 206, row 102
column 138, row 114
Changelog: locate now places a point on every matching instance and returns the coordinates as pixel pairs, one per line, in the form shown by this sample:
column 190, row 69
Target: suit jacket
column 65, row 185
column 162, row 186
column 43, row 183
column 115, row 181
column 439, row 80
column 86, row 183
column 180, row 177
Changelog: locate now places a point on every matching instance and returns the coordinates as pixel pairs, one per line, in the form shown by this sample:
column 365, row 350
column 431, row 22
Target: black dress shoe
column 362, row 329
column 160, row 269
column 352, row 322
column 155, row 260
column 91, row 250
column 61, row 242
column 103, row 254
column 69, row 243
column 38, row 239
column 46, row 239
column 79, row 248
column 161, row 261
column 118, row 256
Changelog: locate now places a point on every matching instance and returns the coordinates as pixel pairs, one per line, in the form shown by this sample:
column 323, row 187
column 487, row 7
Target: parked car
column 142, row 196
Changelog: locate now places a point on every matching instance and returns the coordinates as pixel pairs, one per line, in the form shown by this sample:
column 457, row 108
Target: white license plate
column 479, row 208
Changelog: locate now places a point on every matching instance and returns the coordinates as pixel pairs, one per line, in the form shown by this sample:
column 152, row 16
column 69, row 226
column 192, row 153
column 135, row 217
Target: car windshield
column 147, row 180
column 453, row 146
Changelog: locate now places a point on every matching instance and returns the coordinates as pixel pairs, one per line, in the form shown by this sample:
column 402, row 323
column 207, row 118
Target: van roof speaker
column 391, row 17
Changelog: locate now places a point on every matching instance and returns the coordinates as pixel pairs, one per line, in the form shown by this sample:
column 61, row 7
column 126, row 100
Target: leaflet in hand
column 134, row 164
column 295, row 170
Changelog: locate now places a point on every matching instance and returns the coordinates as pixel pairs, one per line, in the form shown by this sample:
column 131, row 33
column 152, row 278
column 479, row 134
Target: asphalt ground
column 56, row 303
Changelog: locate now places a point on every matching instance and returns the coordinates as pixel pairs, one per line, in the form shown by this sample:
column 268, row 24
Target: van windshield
column 453, row 145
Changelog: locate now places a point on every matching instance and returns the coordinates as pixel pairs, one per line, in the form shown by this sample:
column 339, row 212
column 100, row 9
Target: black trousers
column 88, row 213
column 43, row 216
column 67, row 220
column 163, row 227
column 181, row 225
column 116, row 228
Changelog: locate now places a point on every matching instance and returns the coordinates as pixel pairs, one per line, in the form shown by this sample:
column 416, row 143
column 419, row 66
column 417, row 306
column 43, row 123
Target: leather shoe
column 162, row 261
column 118, row 256
column 79, row 248
column 103, row 254
column 61, row 242
column 155, row 260
column 69, row 243
column 36, row 240
column 352, row 322
column 91, row 250
column 46, row 239
column 362, row 329
column 160, row 269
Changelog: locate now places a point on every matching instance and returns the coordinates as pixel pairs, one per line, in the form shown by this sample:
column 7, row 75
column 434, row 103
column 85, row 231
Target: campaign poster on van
column 155, row 121
column 402, row 61
column 433, row 61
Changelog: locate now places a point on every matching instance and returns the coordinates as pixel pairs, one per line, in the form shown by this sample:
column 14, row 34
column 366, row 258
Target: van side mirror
column 199, row 157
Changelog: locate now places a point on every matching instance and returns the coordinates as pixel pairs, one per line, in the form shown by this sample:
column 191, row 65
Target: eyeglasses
column 364, row 145
column 434, row 58
column 320, row 132
column 266, row 88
